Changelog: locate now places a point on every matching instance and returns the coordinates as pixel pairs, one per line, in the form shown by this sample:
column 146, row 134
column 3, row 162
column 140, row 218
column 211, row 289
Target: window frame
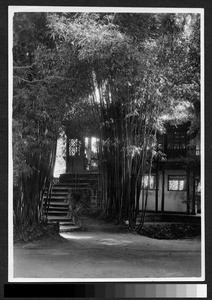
column 154, row 184
column 74, row 147
column 178, row 190
column 175, row 140
column 197, row 185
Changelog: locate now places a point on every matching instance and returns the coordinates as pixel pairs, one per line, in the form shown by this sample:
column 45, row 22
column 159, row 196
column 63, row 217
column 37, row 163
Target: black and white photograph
column 106, row 114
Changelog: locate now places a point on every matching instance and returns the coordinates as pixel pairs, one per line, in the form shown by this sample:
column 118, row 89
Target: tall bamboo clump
column 33, row 167
column 128, row 99
column 128, row 138
column 35, row 130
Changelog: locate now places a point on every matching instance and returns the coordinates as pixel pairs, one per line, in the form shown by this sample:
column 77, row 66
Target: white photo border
column 18, row 9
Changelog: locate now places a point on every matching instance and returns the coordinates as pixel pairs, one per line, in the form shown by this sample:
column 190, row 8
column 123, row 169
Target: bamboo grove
column 37, row 116
column 128, row 129
column 134, row 70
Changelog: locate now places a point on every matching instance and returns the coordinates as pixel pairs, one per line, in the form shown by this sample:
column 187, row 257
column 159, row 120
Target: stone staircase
column 58, row 208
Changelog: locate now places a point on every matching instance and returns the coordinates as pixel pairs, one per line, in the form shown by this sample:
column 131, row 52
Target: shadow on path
column 105, row 251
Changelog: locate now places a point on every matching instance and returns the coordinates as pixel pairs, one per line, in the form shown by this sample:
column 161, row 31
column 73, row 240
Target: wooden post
column 156, row 192
column 163, row 195
column 82, row 146
column 194, row 195
column 188, row 191
column 67, row 152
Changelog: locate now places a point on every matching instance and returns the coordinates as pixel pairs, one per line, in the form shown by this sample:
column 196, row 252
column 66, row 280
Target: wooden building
column 175, row 176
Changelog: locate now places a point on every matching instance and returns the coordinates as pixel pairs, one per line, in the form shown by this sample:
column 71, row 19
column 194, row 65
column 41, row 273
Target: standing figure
column 74, row 207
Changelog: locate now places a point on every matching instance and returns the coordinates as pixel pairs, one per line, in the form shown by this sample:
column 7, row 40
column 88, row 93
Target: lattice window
column 74, row 147
column 177, row 183
column 177, row 140
column 152, row 182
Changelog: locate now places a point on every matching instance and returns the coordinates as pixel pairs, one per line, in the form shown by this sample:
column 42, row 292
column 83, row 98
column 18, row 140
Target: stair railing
column 48, row 198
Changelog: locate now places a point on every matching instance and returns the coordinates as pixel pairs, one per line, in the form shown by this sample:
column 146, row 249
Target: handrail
column 48, row 199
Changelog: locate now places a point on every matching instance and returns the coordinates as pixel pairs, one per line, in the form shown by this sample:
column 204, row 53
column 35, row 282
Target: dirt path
column 106, row 251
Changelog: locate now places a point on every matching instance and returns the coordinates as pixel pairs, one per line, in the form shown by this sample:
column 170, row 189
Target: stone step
column 66, row 188
column 57, row 197
column 73, row 183
column 69, row 228
column 58, row 208
column 78, row 182
column 81, row 175
column 57, row 213
column 58, row 204
column 58, row 219
column 65, row 223
column 56, row 201
column 59, row 193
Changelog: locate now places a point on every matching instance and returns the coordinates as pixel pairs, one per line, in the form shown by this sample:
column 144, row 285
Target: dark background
column 76, row 291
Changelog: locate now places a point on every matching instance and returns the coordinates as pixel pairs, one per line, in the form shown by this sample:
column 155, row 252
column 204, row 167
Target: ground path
column 106, row 251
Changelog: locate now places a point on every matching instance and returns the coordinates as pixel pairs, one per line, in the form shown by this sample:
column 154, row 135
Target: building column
column 67, row 152
column 156, row 192
column 188, row 191
column 193, row 212
column 163, row 194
